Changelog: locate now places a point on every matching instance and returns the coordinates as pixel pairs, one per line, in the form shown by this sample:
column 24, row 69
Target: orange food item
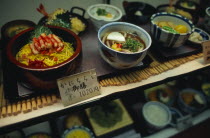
column 152, row 96
column 188, row 97
column 181, row 29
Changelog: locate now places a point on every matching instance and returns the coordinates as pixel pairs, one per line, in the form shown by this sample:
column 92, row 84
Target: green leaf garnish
column 39, row 30
column 62, row 20
column 101, row 12
column 132, row 45
column 169, row 29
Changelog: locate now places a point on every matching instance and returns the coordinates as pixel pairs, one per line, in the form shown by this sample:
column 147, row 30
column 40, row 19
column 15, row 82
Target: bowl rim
column 76, row 127
column 207, row 11
column 161, row 105
column 14, row 23
column 200, row 30
column 176, row 110
column 188, row 9
column 36, row 133
column 129, row 24
column 174, row 15
column 104, row 5
column 187, row 90
column 17, row 63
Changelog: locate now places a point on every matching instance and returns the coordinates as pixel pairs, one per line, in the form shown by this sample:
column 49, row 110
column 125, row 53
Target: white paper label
column 184, row 122
column 78, row 87
column 206, row 51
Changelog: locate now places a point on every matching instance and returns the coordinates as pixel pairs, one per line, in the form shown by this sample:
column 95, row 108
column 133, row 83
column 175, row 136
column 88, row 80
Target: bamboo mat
column 28, row 105
column 154, row 68
column 8, row 109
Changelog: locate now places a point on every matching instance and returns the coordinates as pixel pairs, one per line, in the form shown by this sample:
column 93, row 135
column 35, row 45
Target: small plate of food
column 175, row 9
column 78, row 132
column 197, row 37
column 64, row 18
column 101, row 14
column 189, row 6
column 206, row 89
column 191, row 101
column 39, row 135
column 161, row 93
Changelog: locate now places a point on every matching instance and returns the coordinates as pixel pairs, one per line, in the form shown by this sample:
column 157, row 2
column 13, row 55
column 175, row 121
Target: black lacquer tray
column 91, row 59
column 163, row 53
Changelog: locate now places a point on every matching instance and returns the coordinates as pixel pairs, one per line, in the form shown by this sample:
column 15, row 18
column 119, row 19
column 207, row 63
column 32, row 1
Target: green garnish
column 101, row 12
column 61, row 23
column 106, row 115
column 169, row 29
column 132, row 45
column 39, row 30
column 61, row 20
column 189, row 3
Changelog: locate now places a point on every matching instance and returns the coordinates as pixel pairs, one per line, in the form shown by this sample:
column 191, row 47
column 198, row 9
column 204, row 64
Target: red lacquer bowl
column 44, row 78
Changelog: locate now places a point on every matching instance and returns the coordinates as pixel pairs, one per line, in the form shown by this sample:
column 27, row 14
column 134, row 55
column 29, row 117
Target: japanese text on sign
column 78, row 87
column 206, row 51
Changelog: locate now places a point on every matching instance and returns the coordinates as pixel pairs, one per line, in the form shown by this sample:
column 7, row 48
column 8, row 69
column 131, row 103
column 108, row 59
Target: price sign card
column 78, row 87
column 184, row 122
column 206, row 51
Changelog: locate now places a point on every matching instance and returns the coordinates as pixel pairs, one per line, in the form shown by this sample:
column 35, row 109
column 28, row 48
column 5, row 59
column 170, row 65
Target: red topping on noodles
column 45, row 43
column 36, row 63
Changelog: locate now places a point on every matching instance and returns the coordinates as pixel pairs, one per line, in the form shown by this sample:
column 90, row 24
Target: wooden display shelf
column 42, row 114
column 55, row 109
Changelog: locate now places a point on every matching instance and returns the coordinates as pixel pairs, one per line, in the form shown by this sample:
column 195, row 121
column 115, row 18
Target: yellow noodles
column 25, row 54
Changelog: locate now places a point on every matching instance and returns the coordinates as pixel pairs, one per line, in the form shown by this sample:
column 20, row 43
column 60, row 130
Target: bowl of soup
column 101, row 14
column 198, row 37
column 41, row 58
column 156, row 115
column 170, row 30
column 123, row 45
column 191, row 101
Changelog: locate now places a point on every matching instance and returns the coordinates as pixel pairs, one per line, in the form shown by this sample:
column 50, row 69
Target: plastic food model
column 188, row 5
column 172, row 9
column 165, row 96
column 196, row 37
column 45, row 49
column 103, row 14
column 206, row 88
column 123, row 42
column 60, row 17
column 106, row 115
column 78, row 132
column 12, row 31
column 171, row 27
column 193, row 100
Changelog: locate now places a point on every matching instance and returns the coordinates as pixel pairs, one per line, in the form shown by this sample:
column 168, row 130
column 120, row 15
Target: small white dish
column 193, row 37
column 99, row 21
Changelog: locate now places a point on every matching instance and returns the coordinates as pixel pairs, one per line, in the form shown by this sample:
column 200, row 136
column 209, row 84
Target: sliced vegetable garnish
column 101, row 12
column 39, row 30
column 116, row 36
column 132, row 44
column 181, row 28
column 61, row 20
column 169, row 29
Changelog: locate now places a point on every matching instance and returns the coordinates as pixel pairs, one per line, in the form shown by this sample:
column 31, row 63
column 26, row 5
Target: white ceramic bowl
column 99, row 21
column 205, row 36
column 156, row 114
column 187, row 108
column 207, row 20
column 121, row 60
column 168, row 39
